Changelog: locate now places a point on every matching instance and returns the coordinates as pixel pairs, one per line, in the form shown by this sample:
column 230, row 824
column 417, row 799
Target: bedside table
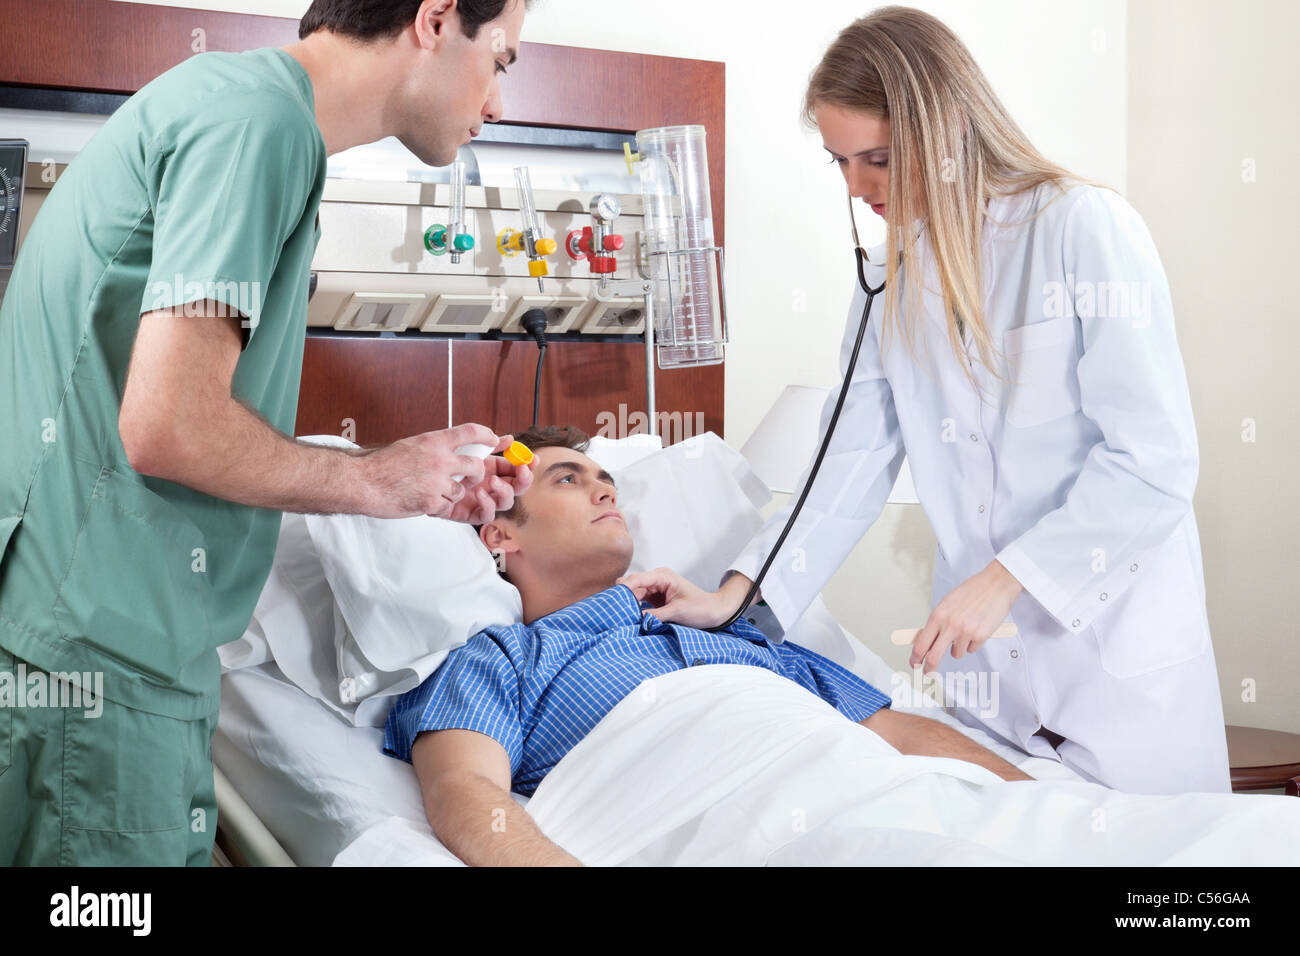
column 1263, row 759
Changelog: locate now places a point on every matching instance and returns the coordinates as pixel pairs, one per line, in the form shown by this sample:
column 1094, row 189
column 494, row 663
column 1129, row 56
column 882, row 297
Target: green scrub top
column 204, row 185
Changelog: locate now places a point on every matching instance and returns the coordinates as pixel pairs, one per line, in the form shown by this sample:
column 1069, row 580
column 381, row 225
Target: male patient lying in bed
column 506, row 706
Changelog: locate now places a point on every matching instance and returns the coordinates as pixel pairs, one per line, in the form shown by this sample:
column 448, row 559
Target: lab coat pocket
column 1159, row 620
column 1042, row 361
column 136, row 589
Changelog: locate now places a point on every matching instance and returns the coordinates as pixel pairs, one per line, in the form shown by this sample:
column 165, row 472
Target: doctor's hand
column 679, row 601
column 966, row 617
column 413, row 476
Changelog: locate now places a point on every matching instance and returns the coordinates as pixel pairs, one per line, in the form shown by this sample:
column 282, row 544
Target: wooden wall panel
column 583, row 384
column 391, row 386
column 109, row 47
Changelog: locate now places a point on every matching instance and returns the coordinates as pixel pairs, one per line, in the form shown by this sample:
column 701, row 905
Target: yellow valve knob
column 546, row 247
column 630, row 157
column 510, row 242
column 537, row 268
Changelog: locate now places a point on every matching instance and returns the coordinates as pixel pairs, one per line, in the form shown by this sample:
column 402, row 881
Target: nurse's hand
column 413, row 476
column 966, row 617
column 494, row 492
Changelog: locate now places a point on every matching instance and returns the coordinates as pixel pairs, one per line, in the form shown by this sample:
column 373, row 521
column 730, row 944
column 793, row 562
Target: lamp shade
column 783, row 445
column 785, row 441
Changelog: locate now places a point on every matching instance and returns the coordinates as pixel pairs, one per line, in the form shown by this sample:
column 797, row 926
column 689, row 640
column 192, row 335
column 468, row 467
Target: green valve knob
column 464, row 243
column 435, row 239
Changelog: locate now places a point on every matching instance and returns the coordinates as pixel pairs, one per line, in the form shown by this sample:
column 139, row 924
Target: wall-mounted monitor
column 13, row 166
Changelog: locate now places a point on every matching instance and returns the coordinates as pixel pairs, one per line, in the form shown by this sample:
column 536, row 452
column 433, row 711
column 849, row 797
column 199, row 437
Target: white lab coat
column 1079, row 480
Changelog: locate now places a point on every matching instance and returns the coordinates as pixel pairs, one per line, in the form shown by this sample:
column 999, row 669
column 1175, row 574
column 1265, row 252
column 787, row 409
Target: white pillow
column 618, row 453
column 691, row 507
column 295, row 622
column 410, row 590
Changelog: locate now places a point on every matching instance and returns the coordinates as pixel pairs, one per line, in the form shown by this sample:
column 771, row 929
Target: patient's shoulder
column 496, row 644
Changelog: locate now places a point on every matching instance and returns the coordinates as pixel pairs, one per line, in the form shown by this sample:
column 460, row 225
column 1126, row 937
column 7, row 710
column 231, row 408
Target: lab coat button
column 698, row 660
column 1102, row 596
column 974, row 437
column 1074, row 623
column 1014, row 655
column 981, row 509
column 1133, row 567
column 348, row 690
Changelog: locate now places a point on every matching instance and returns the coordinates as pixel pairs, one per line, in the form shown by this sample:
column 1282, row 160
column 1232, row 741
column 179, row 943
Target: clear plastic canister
column 685, row 263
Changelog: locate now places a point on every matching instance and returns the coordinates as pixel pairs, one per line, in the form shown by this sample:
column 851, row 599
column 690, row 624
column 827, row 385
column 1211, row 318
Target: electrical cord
column 534, row 323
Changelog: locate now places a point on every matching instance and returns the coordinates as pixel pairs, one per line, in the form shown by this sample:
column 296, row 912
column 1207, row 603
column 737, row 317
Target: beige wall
column 1212, row 93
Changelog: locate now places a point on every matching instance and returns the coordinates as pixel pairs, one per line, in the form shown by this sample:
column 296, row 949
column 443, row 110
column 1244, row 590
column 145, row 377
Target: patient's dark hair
column 545, row 436
column 542, row 436
column 382, row 19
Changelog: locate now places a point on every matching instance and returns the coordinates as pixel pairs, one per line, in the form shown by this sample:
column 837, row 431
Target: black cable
column 537, row 381
column 821, row 453
column 534, row 323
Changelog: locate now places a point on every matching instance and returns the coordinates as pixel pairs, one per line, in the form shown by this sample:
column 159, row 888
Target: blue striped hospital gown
column 539, row 688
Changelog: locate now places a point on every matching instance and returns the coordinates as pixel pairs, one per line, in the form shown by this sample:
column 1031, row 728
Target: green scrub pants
column 124, row 788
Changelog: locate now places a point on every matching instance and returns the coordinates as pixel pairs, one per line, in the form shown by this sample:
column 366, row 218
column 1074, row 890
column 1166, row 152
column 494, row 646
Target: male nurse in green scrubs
column 152, row 334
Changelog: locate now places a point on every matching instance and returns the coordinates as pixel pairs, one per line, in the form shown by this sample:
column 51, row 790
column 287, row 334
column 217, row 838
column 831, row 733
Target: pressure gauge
column 13, row 162
column 605, row 208
column 6, row 212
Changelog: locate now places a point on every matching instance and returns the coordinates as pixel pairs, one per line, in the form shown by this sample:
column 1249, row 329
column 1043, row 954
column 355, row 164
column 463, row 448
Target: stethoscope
column 861, row 255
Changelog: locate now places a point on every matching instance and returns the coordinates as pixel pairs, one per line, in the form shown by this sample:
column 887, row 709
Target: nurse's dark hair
column 952, row 146
column 382, row 19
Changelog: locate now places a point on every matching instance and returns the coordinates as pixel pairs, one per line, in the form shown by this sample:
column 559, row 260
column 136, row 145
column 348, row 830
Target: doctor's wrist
column 734, row 588
column 1008, row 581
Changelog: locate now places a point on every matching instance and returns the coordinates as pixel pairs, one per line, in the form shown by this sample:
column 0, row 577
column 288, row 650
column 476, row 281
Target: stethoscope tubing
column 826, row 441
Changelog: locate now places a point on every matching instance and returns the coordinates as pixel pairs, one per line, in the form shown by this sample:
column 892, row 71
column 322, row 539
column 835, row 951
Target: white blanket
column 735, row 765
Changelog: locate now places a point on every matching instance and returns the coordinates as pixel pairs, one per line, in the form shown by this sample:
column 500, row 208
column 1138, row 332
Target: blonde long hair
column 951, row 143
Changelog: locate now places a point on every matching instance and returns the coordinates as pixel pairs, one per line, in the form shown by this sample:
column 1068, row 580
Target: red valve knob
column 578, row 243
column 601, row 264
column 613, row 243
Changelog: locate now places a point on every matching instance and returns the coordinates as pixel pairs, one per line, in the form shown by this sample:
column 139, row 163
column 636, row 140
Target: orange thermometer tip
column 518, row 454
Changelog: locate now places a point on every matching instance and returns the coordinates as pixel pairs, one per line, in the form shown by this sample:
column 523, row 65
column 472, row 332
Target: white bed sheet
column 320, row 784
column 316, row 781
column 798, row 785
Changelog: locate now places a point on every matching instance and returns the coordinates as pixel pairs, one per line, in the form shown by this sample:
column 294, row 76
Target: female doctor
column 1041, row 401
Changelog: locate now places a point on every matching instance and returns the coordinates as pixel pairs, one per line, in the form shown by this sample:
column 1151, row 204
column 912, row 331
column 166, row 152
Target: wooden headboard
column 398, row 386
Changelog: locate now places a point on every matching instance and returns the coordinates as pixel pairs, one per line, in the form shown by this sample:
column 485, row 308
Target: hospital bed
column 302, row 777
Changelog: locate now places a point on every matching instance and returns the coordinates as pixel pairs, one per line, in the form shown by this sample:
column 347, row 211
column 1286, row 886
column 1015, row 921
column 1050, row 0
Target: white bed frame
column 242, row 838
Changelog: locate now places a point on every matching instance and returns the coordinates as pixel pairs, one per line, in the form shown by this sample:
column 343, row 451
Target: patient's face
column 570, row 523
